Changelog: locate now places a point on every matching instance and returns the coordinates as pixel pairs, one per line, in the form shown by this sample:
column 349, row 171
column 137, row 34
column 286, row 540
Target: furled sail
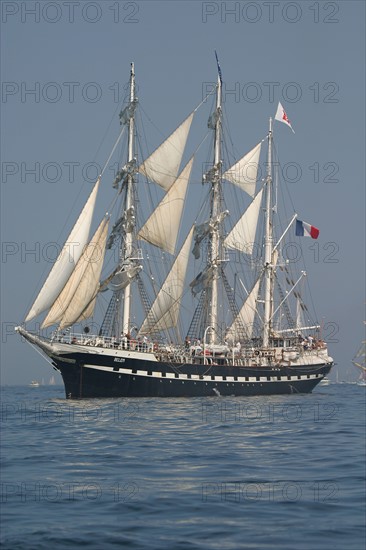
column 202, row 230
column 163, row 164
column 202, row 280
column 242, row 236
column 245, row 318
column 125, row 223
column 123, row 276
column 67, row 259
column 244, row 172
column 83, row 284
column 115, row 232
column 164, row 312
column 161, row 229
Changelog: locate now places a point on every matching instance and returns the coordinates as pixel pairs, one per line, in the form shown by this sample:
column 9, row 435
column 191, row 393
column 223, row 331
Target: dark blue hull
column 87, row 376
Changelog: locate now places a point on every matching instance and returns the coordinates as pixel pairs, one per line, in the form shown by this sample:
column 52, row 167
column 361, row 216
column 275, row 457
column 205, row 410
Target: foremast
column 117, row 319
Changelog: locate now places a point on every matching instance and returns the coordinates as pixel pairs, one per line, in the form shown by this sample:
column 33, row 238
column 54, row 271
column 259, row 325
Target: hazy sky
column 63, row 68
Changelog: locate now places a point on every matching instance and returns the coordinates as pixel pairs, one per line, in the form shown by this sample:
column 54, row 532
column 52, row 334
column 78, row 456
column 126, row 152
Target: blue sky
column 76, row 58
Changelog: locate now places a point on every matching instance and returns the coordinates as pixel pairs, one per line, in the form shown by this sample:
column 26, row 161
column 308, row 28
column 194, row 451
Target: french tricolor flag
column 304, row 229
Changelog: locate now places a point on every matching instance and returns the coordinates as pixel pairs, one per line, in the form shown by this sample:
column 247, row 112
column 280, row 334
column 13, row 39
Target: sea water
column 283, row 472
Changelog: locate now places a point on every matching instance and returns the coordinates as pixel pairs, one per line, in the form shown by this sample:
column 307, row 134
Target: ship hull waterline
column 105, row 372
column 83, row 381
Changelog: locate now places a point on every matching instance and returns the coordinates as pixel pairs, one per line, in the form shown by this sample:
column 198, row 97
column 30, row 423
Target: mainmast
column 214, row 245
column 129, row 202
column 268, row 245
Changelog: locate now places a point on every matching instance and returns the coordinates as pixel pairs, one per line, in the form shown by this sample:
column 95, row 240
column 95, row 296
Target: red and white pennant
column 282, row 116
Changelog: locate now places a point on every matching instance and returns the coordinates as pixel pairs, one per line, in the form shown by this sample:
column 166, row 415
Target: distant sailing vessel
column 250, row 332
column 359, row 361
column 34, row 384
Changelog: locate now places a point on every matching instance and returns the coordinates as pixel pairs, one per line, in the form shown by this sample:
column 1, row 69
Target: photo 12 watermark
column 51, row 172
column 324, row 491
column 32, row 492
column 70, row 12
column 328, row 92
column 272, row 12
column 232, row 412
column 290, row 172
column 52, row 92
column 47, row 412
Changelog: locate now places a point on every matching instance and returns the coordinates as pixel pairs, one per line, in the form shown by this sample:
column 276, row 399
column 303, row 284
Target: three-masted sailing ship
column 359, row 361
column 243, row 336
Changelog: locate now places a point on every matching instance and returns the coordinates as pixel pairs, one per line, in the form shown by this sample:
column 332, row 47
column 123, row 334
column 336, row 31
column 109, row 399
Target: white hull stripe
column 204, row 378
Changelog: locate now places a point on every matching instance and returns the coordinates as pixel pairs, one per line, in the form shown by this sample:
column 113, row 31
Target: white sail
column 245, row 318
column 163, row 164
column 244, row 172
column 161, row 229
column 165, row 309
column 67, row 259
column 83, row 284
column 359, row 359
column 242, row 236
column 88, row 311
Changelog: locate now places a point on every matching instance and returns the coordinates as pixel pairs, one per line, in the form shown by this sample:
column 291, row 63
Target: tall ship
column 359, row 361
column 212, row 308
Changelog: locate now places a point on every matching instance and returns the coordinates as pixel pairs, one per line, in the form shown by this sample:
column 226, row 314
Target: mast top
column 218, row 68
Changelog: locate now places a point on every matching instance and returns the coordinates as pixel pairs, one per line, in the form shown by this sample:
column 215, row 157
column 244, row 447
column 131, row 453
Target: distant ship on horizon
column 359, row 361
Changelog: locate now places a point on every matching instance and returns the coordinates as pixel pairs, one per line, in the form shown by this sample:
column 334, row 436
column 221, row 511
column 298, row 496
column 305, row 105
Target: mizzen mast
column 268, row 246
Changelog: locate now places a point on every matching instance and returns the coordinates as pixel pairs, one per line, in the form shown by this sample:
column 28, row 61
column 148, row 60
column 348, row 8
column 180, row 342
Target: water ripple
column 193, row 474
